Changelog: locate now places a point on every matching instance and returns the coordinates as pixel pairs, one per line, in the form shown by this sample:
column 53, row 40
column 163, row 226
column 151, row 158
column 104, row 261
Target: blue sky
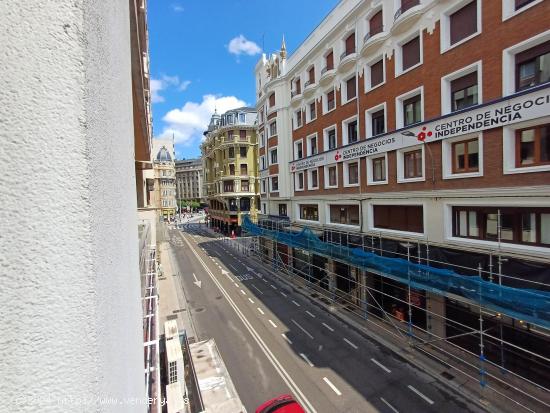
column 203, row 54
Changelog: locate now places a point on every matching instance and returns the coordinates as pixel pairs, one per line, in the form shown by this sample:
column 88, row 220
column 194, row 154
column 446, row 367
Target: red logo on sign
column 337, row 156
column 422, row 135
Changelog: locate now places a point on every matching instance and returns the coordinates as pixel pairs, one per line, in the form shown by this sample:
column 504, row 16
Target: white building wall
column 69, row 264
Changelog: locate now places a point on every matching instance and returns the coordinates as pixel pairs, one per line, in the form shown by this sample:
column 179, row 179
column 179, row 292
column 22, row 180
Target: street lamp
column 411, row 134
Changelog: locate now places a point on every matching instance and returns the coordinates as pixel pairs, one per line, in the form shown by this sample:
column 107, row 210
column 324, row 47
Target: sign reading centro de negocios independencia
column 505, row 112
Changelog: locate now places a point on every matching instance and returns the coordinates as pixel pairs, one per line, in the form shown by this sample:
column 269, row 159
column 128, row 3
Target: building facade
column 189, row 182
column 165, row 178
column 418, row 128
column 230, row 163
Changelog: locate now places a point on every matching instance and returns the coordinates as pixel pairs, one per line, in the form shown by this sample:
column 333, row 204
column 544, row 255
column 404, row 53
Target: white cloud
column 188, row 123
column 240, row 45
column 178, row 8
column 158, row 85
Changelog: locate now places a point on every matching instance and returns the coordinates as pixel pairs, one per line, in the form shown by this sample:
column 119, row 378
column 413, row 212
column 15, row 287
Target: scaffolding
column 476, row 318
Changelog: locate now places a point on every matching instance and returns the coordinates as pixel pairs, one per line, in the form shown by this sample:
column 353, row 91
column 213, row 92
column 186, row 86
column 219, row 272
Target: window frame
column 340, row 204
column 399, row 53
column 308, row 205
column 370, row 218
column 445, row 25
column 308, row 110
column 370, row 169
column 326, row 146
column 326, row 175
column 345, row 123
column 272, row 189
column 509, row 147
column 448, row 160
column 299, row 142
column 344, row 86
column 509, row 8
column 310, row 185
column 537, row 138
column 270, row 126
column 325, row 100
column 368, row 119
column 401, row 164
column 271, row 151
column 297, row 180
column 309, row 138
column 400, row 110
column 346, row 166
column 446, row 93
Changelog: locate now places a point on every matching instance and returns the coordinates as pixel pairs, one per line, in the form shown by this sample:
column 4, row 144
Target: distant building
column 189, row 180
column 230, row 162
column 165, row 177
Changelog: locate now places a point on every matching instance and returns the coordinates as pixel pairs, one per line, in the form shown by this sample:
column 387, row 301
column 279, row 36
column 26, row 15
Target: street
column 274, row 341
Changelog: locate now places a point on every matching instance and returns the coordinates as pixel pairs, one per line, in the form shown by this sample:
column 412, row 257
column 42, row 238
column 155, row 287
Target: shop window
column 344, row 214
column 399, row 217
column 283, row 210
column 309, row 212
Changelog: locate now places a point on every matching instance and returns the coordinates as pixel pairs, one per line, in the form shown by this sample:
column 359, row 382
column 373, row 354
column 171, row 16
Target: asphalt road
column 274, row 341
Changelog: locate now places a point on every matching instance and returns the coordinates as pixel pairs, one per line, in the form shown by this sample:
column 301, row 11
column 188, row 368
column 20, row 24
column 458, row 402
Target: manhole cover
column 172, row 317
column 199, row 310
column 219, row 297
column 448, row 376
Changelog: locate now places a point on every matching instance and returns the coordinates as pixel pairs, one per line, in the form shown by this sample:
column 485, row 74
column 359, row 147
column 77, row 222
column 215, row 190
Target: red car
column 281, row 404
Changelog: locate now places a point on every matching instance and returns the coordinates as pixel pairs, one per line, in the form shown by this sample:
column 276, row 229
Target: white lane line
column 236, row 285
column 257, row 289
column 283, row 294
column 328, row 327
column 332, row 386
column 389, row 405
column 251, row 300
column 430, row 401
column 350, row 343
column 261, row 343
column 298, row 305
column 272, row 286
column 310, row 314
column 234, row 269
column 242, row 291
column 286, row 338
column 308, row 361
column 387, row 370
column 302, row 328
column 272, row 323
column 261, row 311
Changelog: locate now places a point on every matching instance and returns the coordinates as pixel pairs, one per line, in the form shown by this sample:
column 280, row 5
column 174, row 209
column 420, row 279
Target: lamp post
column 410, row 134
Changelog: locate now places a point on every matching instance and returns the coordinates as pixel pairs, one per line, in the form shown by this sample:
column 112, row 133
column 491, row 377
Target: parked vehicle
column 281, row 404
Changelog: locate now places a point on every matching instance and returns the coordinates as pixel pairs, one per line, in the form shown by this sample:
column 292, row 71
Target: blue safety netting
column 524, row 304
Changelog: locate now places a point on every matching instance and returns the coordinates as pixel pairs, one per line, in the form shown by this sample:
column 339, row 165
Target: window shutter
column 464, row 22
column 533, row 52
column 375, row 23
column 377, row 73
column 351, row 92
column 350, row 43
column 464, row 82
column 330, row 60
column 411, row 53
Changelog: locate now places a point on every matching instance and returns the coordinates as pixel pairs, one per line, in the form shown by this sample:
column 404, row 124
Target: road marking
column 332, row 386
column 272, row 286
column 234, row 269
column 272, row 323
column 302, row 328
column 265, row 349
column 298, row 305
column 283, row 294
column 251, row 300
column 260, row 291
column 306, row 359
column 286, row 338
column 350, row 343
column 260, row 310
column 327, row 326
column 310, row 314
column 236, row 285
column 430, row 401
column 387, row 370
column 389, row 405
column 242, row 291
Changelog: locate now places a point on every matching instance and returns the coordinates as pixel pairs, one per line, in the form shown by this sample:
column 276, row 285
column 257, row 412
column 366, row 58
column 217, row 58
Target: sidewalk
column 494, row 397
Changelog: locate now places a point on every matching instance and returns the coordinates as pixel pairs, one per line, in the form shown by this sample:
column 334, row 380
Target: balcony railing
column 372, row 32
column 346, row 53
column 326, row 69
column 295, row 93
column 309, row 82
column 405, row 5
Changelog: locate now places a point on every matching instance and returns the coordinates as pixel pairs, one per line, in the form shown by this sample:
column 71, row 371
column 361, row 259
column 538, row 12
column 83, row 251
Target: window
column 274, row 183
column 298, row 150
column 412, row 110
column 351, row 89
column 517, row 225
column 262, row 162
column 464, row 92
column 350, row 131
column 465, row 156
column 298, row 118
column 263, row 186
column 228, row 186
column 313, row 179
column 330, row 138
column 297, row 87
column 412, row 164
column 375, row 24
column 533, row 66
column 329, row 60
column 299, row 181
column 330, row 101
column 311, row 76
column 242, row 117
column 312, row 112
column 242, row 151
column 231, row 169
column 309, row 212
column 410, row 53
column 533, row 146
column 331, row 176
column 379, row 169
column 377, row 73
column 463, row 22
column 242, row 134
column 283, row 210
column 399, row 217
column 408, row 4
column 245, row 186
column 273, row 128
column 312, row 145
column 262, row 139
column 352, row 173
column 273, row 157
column 264, row 208
column 344, row 214
column 244, row 169
column 378, row 122
column 272, row 100
column 231, row 153
column 172, row 372
column 349, row 44
column 518, row 4
column 230, row 135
